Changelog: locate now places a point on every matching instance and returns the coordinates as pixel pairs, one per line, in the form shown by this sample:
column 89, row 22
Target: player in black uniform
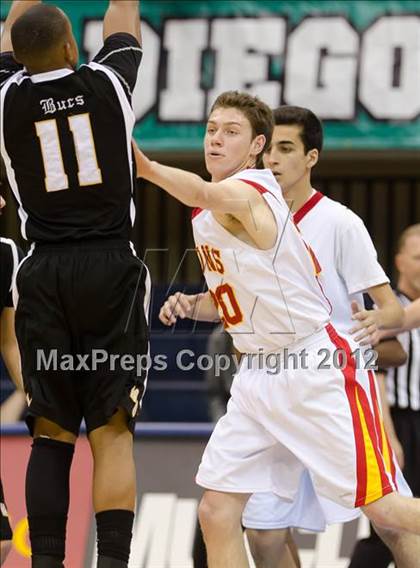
column 10, row 255
column 66, row 143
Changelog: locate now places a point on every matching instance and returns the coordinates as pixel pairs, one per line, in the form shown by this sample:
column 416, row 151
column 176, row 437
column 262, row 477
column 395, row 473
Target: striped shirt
column 403, row 383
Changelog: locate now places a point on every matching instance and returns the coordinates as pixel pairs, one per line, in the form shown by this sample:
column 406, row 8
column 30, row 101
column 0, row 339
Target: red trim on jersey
column 260, row 188
column 306, row 207
column 349, row 373
column 256, row 185
column 356, row 394
column 196, row 212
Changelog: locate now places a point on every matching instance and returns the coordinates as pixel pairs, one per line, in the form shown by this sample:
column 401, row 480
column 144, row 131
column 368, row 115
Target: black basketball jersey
column 66, row 143
column 10, row 256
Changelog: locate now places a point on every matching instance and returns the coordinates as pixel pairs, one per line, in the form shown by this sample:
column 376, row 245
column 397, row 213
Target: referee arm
column 411, row 320
column 17, row 9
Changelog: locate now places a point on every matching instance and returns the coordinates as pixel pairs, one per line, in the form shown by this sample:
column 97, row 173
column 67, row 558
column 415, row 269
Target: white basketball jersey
column 345, row 252
column 267, row 299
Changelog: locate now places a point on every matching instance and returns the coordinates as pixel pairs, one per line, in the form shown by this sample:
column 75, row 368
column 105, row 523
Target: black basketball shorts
column 5, row 530
column 81, row 324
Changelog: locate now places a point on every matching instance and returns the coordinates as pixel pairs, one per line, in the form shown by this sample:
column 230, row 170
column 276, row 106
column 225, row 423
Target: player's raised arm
column 226, row 196
column 411, row 320
column 412, row 316
column 122, row 16
column 17, row 8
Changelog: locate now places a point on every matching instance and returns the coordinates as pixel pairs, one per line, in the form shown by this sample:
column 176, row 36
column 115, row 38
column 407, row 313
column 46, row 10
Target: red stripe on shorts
column 350, row 384
column 382, row 440
column 370, row 423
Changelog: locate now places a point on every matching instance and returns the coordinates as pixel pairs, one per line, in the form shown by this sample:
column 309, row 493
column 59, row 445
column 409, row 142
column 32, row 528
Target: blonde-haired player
column 261, row 275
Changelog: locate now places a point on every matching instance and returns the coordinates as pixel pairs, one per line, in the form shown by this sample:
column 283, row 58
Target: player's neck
column 405, row 287
column 48, row 68
column 298, row 196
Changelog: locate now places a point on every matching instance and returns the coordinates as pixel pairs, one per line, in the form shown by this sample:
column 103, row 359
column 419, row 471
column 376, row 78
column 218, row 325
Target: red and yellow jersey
column 267, row 299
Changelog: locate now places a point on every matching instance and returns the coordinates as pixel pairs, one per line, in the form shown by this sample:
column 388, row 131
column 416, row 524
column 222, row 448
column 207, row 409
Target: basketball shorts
column 81, row 325
column 5, row 530
column 309, row 416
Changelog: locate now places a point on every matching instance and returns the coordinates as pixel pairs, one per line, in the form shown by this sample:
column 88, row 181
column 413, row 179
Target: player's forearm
column 11, row 410
column 11, row 358
column 390, row 315
column 187, row 187
column 390, row 354
column 122, row 16
column 411, row 320
column 17, row 9
column 412, row 315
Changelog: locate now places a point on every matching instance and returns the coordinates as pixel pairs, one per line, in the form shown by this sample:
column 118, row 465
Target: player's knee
column 48, row 429
column 381, row 513
column 216, row 515
column 266, row 544
column 116, row 431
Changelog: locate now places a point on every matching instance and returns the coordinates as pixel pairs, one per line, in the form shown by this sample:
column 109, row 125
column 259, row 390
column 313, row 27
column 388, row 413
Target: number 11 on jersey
column 56, row 178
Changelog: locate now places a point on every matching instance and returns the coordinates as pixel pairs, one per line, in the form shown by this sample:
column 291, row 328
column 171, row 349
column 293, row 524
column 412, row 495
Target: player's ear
column 312, row 158
column 258, row 144
column 70, row 53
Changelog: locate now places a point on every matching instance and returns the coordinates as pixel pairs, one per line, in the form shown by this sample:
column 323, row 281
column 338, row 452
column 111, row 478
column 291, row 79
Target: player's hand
column 366, row 330
column 177, row 306
column 143, row 164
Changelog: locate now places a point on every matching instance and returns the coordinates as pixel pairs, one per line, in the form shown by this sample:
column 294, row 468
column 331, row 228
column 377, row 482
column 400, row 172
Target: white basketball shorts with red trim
column 326, row 420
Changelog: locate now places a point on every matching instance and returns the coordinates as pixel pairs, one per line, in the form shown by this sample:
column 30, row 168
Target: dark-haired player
column 337, row 236
column 66, row 143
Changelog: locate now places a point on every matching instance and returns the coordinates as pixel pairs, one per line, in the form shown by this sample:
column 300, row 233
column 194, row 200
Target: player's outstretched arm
column 388, row 315
column 17, row 9
column 122, row 16
column 411, row 320
column 9, row 347
column 193, row 306
column 230, row 196
column 411, row 316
